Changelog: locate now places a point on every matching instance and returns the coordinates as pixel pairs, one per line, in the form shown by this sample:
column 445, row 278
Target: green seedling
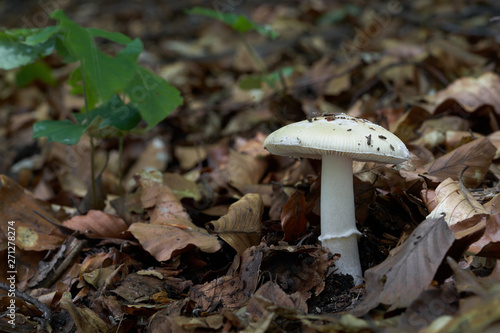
column 242, row 25
column 118, row 93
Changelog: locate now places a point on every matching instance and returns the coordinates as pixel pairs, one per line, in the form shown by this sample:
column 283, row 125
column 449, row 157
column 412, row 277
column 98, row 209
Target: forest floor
column 208, row 231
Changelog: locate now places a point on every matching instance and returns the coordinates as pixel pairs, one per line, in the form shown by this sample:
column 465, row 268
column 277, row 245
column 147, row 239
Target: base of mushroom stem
column 349, row 262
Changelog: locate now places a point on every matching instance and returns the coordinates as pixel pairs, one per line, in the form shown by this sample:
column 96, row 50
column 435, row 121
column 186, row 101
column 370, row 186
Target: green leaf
column 41, row 36
column 132, row 50
column 114, row 113
column 36, row 71
column 153, row 96
column 238, row 22
column 63, row 131
column 14, row 52
column 103, row 75
column 112, row 36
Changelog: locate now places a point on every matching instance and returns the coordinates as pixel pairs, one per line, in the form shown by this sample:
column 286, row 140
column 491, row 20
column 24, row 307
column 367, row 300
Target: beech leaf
column 293, row 217
column 476, row 155
column 167, row 241
column 399, row 279
column 241, row 226
column 455, row 202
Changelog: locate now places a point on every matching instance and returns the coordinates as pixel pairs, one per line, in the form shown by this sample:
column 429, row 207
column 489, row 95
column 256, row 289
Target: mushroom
column 338, row 140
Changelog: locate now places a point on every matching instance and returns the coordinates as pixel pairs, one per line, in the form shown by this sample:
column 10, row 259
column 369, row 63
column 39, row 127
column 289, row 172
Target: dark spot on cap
column 392, row 147
column 382, row 137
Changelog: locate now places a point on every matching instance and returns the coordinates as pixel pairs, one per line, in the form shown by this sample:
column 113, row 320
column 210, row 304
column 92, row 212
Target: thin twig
column 27, row 298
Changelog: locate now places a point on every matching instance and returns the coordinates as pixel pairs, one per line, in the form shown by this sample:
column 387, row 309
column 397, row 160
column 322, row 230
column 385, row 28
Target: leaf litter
column 211, row 233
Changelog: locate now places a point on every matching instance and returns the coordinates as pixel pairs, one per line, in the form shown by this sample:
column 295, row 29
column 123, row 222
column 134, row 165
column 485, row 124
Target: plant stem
column 92, row 169
column 120, row 163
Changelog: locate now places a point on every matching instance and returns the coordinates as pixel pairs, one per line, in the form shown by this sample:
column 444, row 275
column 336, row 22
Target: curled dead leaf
column 455, row 202
column 241, row 226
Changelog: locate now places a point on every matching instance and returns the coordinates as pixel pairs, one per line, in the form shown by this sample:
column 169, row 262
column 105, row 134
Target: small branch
column 27, row 298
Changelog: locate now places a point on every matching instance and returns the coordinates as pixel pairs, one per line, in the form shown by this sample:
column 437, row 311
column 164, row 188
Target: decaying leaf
column 293, row 217
column 181, row 186
column 471, row 92
column 234, row 289
column 33, row 232
column 241, row 226
column 85, row 319
column 160, row 200
column 401, row 278
column 476, row 155
column 97, row 224
column 489, row 244
column 165, row 241
column 455, row 203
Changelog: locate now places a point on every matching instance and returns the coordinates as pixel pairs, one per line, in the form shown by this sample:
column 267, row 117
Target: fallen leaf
column 160, row 200
column 84, row 318
column 234, row 289
column 293, row 218
column 472, row 92
column 97, row 224
column 489, row 244
column 399, row 280
column 241, row 226
column 181, row 186
column 33, row 232
column 166, row 241
column 476, row 155
column 455, row 203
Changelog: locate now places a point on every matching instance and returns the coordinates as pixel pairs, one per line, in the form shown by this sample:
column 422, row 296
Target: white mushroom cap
column 342, row 135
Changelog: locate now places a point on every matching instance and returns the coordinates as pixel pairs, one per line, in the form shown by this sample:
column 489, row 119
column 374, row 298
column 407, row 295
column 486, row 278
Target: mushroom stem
column 338, row 222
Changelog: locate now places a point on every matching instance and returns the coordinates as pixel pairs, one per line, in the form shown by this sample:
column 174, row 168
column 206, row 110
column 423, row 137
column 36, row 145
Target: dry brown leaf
column 293, row 218
column 33, row 232
column 241, row 226
column 234, row 289
column 406, row 126
column 161, row 201
column 190, row 156
column 97, row 224
column 242, row 170
column 471, row 92
column 399, row 280
column 279, row 199
column 489, row 244
column 181, row 186
column 166, row 241
column 455, row 203
column 275, row 294
column 476, row 156
column 84, row 318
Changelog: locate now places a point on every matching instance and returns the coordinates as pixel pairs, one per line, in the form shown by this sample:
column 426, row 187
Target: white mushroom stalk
column 338, row 222
column 338, row 140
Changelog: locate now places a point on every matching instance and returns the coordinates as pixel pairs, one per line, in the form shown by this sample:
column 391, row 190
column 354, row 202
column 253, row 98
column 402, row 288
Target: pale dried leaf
column 241, row 226
column 455, row 203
